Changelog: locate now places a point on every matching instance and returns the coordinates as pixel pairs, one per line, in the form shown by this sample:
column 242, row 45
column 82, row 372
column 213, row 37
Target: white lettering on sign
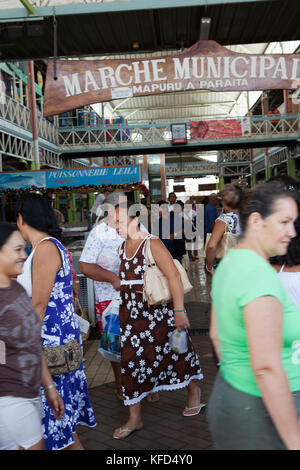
column 188, row 68
column 72, row 84
column 205, row 65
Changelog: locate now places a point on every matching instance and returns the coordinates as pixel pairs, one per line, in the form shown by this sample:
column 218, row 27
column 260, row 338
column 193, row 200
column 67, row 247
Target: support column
column 146, row 175
column 145, row 165
column 287, row 102
column 221, row 183
column 35, row 165
column 2, row 198
column 72, row 209
column 163, row 176
column 252, row 174
column 291, row 167
column 264, row 109
column 91, row 200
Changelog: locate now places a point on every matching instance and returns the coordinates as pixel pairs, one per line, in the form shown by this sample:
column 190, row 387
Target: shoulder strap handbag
column 66, row 357
column 228, row 240
column 156, row 287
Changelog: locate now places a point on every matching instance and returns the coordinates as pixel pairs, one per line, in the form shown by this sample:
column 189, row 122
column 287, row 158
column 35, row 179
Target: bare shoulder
column 156, row 244
column 48, row 251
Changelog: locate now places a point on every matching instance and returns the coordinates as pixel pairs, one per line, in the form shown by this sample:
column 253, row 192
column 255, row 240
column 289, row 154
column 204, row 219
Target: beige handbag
column 228, row 240
column 156, row 288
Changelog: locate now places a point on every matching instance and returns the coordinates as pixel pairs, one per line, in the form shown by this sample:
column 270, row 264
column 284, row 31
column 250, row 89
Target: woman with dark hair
column 47, row 279
column 255, row 329
column 232, row 197
column 148, row 364
column 22, row 365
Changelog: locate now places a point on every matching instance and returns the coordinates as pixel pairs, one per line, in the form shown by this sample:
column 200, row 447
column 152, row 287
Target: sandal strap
column 195, row 407
column 125, row 430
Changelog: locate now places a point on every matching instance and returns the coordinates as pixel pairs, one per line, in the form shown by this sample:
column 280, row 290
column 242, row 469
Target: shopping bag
column 110, row 345
column 82, row 320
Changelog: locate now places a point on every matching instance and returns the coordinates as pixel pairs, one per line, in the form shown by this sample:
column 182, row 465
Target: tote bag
column 156, row 287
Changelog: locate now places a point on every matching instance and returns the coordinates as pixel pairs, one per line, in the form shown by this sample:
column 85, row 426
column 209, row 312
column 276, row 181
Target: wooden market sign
column 206, row 65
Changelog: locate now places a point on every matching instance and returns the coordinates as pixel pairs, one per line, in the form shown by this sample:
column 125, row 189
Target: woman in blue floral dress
column 47, row 278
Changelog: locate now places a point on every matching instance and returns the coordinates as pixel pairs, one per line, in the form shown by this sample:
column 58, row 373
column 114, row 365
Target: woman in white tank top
column 288, row 266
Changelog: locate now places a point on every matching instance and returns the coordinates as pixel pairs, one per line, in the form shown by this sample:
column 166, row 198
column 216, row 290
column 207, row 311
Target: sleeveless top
column 232, row 221
column 291, row 283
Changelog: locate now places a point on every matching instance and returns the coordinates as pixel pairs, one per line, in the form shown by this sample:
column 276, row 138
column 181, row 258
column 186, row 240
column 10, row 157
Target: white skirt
column 20, row 422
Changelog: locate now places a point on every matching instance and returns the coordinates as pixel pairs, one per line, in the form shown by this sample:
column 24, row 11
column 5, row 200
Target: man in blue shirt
column 210, row 214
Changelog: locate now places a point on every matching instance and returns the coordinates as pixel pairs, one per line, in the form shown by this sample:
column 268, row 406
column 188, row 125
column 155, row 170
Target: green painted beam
column 109, row 7
column 29, row 7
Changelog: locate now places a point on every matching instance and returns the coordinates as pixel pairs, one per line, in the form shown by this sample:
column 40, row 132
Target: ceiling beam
column 177, row 106
column 112, row 7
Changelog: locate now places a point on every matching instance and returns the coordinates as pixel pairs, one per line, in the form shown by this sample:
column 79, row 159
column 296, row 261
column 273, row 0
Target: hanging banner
column 220, row 129
column 206, row 65
column 71, row 178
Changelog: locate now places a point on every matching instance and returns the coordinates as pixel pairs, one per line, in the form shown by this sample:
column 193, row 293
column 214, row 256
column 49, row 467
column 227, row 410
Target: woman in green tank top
column 255, row 329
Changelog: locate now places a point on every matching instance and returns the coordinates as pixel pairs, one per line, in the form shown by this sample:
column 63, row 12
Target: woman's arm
column 213, row 334
column 211, row 248
column 164, row 261
column 264, row 322
column 95, row 272
column 45, row 264
column 54, row 399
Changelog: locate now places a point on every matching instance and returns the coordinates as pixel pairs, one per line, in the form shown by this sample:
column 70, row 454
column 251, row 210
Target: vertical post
column 163, row 176
column 264, row 105
column 291, row 167
column 145, row 165
column 2, row 198
column 73, row 208
column 91, row 200
column 221, row 183
column 33, row 114
column 287, row 102
column 252, row 174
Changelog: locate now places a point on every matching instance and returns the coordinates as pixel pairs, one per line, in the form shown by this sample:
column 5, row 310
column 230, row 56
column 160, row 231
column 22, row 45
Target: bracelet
column 179, row 310
column 49, row 387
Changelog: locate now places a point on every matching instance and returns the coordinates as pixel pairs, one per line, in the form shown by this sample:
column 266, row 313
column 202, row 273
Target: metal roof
column 113, row 27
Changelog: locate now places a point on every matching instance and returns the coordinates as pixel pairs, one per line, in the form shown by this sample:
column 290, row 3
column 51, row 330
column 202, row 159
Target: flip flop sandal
column 151, row 398
column 197, row 408
column 130, row 431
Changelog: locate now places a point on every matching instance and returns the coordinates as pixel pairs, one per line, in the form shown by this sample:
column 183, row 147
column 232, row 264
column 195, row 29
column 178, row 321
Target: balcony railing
column 139, row 136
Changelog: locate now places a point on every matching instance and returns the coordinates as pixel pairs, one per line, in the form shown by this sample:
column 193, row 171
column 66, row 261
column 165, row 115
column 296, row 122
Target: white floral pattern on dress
column 146, row 344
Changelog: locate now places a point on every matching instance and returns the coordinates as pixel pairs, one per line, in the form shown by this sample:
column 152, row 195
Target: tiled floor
column 164, row 427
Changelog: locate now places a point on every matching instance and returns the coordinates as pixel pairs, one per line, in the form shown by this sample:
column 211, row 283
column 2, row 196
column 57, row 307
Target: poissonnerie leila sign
column 206, row 65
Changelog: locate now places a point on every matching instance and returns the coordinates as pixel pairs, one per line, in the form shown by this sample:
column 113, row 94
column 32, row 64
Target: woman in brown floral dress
column 148, row 364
